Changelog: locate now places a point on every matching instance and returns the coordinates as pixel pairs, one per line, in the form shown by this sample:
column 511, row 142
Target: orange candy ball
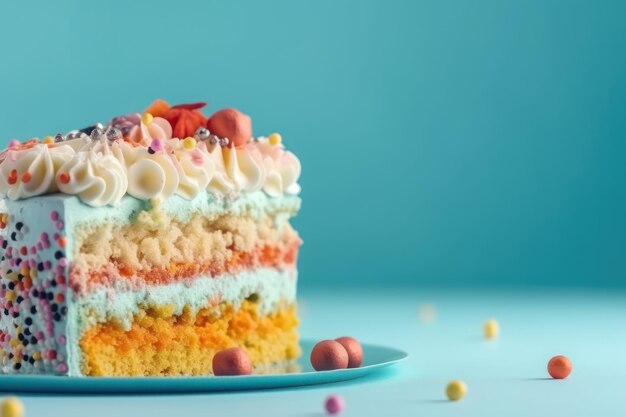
column 354, row 350
column 328, row 355
column 559, row 367
column 231, row 124
column 233, row 361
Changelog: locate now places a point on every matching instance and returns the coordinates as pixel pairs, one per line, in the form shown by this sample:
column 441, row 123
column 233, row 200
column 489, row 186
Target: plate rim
column 194, row 384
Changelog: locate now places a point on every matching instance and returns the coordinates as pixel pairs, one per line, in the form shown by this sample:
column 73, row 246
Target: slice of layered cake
column 147, row 245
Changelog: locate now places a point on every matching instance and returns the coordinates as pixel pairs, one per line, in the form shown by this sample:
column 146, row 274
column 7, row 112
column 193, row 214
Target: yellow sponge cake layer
column 160, row 343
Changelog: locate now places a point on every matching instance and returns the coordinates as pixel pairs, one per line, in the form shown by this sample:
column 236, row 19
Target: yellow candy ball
column 12, row 407
column 189, row 143
column 48, row 139
column 491, row 329
column 146, row 118
column 274, row 139
column 456, row 390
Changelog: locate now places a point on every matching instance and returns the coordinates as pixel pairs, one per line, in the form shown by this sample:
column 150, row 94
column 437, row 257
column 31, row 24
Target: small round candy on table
column 11, row 407
column 491, row 329
column 334, row 404
column 559, row 367
column 456, row 390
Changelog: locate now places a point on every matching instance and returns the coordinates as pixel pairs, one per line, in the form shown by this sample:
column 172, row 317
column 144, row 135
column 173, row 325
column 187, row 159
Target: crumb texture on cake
column 161, row 343
column 116, row 275
column 157, row 248
column 157, row 239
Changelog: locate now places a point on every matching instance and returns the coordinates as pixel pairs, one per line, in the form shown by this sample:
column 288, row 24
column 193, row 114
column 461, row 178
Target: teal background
column 443, row 142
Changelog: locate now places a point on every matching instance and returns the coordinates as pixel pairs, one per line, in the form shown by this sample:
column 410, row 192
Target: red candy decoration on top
column 185, row 119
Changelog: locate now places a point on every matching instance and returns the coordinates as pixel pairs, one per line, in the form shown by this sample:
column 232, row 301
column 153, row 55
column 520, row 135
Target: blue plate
column 374, row 359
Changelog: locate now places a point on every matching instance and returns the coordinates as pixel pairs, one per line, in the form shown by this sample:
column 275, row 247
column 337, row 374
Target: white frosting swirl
column 282, row 169
column 195, row 168
column 100, row 172
column 157, row 128
column 221, row 183
column 245, row 167
column 29, row 172
column 81, row 142
column 95, row 175
column 237, row 169
column 150, row 176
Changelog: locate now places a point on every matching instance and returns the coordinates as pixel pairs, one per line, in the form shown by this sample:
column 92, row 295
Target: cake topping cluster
column 166, row 150
column 33, row 285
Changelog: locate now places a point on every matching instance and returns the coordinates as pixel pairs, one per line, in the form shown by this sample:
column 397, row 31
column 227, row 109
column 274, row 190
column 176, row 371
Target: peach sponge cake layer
column 157, row 247
column 146, row 245
column 142, row 235
column 123, row 276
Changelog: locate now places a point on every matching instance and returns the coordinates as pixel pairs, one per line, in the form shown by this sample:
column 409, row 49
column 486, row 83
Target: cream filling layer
column 270, row 285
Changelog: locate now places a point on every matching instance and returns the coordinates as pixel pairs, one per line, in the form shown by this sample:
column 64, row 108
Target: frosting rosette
column 221, row 183
column 195, row 168
column 282, row 169
column 150, row 128
column 29, row 172
column 79, row 143
column 150, row 175
column 98, row 178
column 244, row 167
column 237, row 169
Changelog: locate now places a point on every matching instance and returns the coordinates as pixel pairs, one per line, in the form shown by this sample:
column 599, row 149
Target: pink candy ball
column 334, row 404
column 157, row 145
column 62, row 368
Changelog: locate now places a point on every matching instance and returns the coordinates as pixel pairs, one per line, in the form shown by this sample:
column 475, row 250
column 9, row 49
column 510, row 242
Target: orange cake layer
column 161, row 343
